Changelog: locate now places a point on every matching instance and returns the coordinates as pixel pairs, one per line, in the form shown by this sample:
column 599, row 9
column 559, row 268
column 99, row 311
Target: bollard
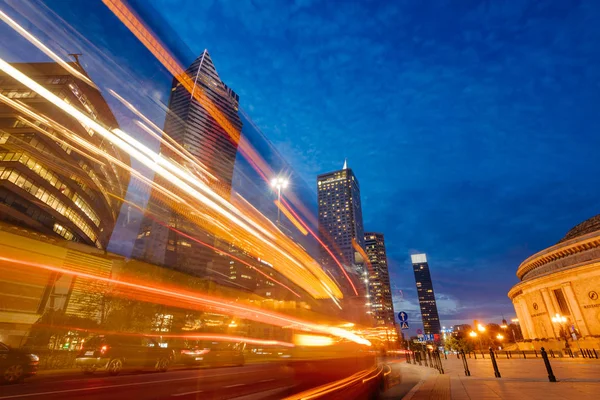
column 407, row 356
column 482, row 354
column 457, row 356
column 524, row 356
column 465, row 364
column 414, row 358
column 595, row 354
column 510, row 354
column 551, row 353
column 551, row 376
column 494, row 364
column 430, row 359
column 535, row 352
column 440, row 363
column 506, row 352
column 446, row 356
column 475, row 355
column 419, row 357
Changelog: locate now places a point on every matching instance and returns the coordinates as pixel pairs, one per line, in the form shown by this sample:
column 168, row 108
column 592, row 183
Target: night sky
column 471, row 125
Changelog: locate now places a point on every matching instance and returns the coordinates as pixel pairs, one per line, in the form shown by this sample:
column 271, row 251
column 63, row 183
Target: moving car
column 113, row 353
column 212, row 354
column 16, row 365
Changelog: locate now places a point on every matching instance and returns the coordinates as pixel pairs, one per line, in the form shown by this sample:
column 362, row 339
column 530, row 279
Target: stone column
column 575, row 309
column 550, row 308
column 526, row 321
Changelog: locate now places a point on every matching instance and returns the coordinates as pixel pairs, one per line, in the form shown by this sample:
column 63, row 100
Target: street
column 264, row 380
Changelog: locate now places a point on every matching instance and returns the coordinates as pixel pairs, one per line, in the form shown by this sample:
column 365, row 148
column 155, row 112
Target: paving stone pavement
column 520, row 379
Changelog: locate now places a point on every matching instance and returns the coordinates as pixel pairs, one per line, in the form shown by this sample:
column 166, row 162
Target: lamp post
column 279, row 183
column 561, row 321
column 500, row 337
column 474, row 334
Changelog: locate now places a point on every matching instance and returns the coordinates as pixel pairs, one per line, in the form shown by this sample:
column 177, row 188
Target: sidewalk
column 521, row 379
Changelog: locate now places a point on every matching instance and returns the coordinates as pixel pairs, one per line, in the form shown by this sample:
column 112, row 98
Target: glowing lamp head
column 279, row 183
column 473, row 334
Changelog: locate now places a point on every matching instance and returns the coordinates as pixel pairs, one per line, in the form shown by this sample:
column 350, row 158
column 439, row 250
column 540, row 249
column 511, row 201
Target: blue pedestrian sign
column 404, row 325
column 402, row 316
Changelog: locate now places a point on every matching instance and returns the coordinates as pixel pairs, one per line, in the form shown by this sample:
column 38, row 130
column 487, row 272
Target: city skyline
column 518, row 228
column 472, row 136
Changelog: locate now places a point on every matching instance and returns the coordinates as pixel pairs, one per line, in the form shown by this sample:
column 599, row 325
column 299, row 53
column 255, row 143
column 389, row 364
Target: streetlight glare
column 473, row 334
column 480, row 328
column 499, row 336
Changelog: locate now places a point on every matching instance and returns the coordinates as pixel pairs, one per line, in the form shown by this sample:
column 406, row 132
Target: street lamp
column 480, row 328
column 499, row 336
column 561, row 321
column 473, row 334
column 279, row 183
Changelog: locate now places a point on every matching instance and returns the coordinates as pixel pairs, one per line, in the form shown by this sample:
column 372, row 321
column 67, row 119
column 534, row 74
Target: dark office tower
column 340, row 219
column 206, row 124
column 429, row 311
column 47, row 183
column 380, row 291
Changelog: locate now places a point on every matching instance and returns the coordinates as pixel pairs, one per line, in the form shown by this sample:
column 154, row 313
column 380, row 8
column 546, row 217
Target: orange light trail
column 324, row 246
column 289, row 216
column 149, row 40
column 246, row 312
column 312, row 276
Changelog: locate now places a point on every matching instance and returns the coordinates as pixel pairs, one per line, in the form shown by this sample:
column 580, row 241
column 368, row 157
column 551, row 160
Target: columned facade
column 563, row 281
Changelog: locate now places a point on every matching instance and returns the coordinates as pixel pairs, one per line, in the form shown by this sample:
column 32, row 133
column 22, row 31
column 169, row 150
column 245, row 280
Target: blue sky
column 472, row 125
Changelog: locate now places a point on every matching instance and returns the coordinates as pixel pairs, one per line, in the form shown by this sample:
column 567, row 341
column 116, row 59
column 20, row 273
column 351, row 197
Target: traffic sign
column 402, row 316
column 404, row 325
column 419, row 331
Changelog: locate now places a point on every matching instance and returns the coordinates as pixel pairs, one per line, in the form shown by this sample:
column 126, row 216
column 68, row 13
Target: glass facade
column 380, row 291
column 340, row 216
column 429, row 311
column 47, row 181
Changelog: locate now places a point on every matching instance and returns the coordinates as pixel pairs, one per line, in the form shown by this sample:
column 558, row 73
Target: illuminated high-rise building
column 340, row 219
column 48, row 182
column 206, row 124
column 429, row 311
column 380, row 291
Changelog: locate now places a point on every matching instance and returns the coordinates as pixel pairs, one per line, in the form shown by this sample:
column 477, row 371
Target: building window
column 562, row 302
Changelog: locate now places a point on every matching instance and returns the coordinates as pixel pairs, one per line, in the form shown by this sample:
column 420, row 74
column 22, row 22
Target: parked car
column 113, row 353
column 16, row 365
column 212, row 354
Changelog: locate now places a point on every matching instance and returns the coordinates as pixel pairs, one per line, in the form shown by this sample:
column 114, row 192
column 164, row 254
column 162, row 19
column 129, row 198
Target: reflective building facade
column 49, row 181
column 429, row 311
column 380, row 292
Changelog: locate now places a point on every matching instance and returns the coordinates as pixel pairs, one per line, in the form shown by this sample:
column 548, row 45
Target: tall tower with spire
column 207, row 125
column 341, row 222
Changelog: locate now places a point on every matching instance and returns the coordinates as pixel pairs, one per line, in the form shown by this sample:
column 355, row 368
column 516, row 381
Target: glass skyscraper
column 380, row 291
column 340, row 220
column 207, row 125
column 429, row 311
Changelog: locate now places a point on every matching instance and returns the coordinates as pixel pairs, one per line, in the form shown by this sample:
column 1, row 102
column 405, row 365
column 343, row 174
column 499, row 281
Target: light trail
column 166, row 169
column 33, row 40
column 246, row 312
column 148, row 39
column 324, row 246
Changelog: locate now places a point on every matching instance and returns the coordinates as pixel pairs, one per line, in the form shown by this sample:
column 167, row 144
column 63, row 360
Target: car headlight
column 33, row 357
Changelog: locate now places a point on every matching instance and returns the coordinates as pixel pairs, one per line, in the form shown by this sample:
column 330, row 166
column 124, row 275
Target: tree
column 458, row 344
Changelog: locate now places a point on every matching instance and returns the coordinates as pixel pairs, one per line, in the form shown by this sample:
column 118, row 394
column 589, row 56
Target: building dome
column 587, row 226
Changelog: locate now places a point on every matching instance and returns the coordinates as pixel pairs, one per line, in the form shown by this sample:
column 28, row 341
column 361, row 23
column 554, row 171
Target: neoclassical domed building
column 563, row 279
